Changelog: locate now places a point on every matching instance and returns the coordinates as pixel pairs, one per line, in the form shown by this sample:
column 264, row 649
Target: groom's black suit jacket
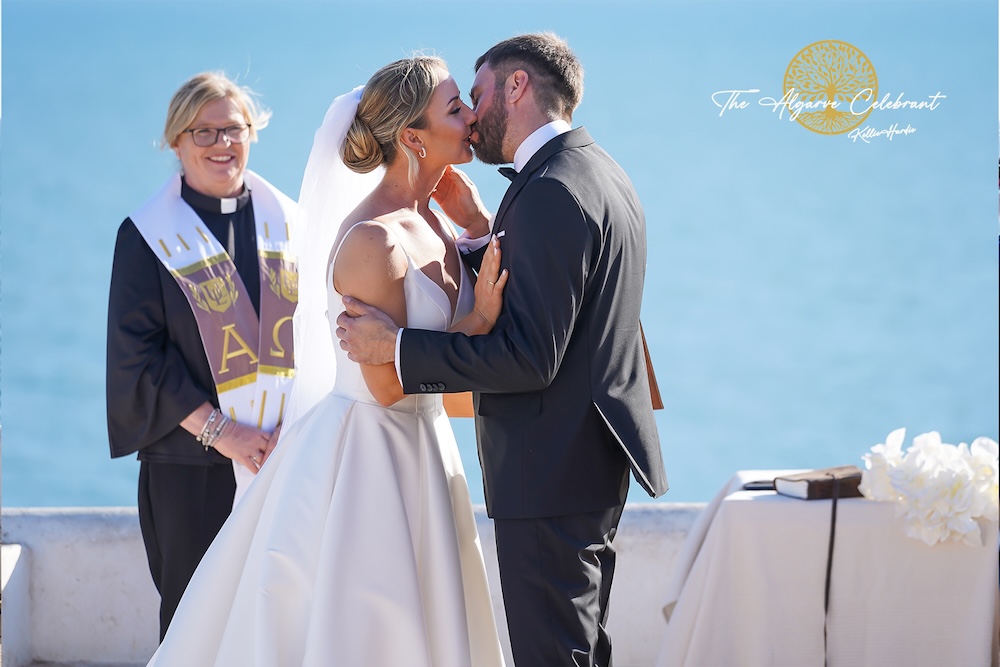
column 562, row 404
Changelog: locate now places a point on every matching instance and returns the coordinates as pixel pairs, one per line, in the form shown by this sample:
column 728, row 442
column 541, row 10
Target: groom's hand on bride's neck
column 458, row 197
column 366, row 333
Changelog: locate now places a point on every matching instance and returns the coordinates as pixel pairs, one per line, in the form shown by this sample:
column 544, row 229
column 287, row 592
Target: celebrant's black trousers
column 181, row 509
column 555, row 574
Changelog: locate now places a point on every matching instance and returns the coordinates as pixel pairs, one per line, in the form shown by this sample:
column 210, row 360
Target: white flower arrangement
column 941, row 490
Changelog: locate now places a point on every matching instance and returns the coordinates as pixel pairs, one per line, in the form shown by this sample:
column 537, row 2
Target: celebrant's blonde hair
column 201, row 89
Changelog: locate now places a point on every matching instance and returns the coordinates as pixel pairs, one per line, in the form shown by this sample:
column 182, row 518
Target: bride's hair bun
column 362, row 152
column 394, row 99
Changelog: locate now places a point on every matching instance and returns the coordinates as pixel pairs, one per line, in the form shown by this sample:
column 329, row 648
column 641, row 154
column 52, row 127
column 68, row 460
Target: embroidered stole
column 252, row 360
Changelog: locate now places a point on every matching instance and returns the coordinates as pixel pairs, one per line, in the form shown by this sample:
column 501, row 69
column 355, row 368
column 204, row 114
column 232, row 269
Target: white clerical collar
column 214, row 204
column 537, row 139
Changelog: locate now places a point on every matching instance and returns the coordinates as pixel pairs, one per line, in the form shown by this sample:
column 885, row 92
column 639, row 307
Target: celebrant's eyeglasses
column 208, row 136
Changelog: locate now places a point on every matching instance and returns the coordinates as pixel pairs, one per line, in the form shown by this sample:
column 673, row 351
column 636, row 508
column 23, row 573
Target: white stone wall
column 90, row 597
column 15, row 565
column 76, row 586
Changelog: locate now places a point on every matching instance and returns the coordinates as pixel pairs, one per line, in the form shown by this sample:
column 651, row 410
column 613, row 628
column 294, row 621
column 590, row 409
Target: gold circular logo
column 825, row 78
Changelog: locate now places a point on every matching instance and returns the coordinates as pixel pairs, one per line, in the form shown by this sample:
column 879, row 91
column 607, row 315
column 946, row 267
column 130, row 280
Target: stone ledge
column 89, row 600
column 15, row 566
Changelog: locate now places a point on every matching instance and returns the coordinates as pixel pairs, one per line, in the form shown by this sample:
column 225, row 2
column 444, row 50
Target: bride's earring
column 423, row 152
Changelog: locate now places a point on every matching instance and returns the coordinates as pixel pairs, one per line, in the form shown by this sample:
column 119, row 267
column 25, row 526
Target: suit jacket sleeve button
column 423, row 387
column 441, row 387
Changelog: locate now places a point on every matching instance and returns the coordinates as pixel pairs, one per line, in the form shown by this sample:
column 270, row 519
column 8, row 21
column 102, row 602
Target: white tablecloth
column 748, row 588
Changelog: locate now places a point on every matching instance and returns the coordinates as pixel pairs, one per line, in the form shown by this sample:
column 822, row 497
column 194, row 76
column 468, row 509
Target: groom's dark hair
column 549, row 61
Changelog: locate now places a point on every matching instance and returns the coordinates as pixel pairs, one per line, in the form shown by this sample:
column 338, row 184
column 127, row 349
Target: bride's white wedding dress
column 356, row 544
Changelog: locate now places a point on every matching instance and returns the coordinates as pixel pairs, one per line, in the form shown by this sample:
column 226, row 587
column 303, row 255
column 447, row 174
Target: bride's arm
column 489, row 299
column 489, row 294
column 371, row 266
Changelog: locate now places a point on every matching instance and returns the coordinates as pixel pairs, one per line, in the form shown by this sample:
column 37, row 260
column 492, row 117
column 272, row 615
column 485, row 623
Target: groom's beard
column 492, row 127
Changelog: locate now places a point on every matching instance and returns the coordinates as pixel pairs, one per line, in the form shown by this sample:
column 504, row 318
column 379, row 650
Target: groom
column 563, row 408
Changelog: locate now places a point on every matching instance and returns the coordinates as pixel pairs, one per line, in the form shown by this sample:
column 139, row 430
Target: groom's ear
column 516, row 86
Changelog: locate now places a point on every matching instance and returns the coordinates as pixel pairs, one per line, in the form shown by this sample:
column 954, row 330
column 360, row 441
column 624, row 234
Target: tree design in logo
column 284, row 283
column 216, row 293
column 826, row 76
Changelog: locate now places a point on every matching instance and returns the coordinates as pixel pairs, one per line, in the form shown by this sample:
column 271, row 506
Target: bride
column 356, row 544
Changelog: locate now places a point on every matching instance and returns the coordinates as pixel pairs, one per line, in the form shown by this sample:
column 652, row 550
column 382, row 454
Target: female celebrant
column 200, row 356
column 357, row 543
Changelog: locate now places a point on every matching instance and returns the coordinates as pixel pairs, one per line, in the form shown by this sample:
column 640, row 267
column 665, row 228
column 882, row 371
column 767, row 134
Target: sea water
column 805, row 293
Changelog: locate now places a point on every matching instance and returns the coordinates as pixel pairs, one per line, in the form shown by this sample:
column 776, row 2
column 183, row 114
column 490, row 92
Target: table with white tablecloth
column 748, row 588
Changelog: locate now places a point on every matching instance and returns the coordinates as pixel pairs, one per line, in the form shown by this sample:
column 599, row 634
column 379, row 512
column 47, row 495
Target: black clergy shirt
column 157, row 371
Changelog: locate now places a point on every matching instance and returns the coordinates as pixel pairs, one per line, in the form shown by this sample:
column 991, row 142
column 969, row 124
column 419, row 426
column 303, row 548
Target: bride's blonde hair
column 394, row 99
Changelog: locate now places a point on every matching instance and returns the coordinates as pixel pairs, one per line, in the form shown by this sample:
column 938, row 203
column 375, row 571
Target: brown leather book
column 818, row 484
column 654, row 389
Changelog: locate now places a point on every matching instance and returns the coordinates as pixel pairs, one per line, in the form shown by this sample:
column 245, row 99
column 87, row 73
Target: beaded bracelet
column 209, row 441
column 208, row 425
column 208, row 437
column 223, row 423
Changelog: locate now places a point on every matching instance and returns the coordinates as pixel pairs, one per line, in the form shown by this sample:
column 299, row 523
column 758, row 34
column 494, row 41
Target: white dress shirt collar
column 536, row 140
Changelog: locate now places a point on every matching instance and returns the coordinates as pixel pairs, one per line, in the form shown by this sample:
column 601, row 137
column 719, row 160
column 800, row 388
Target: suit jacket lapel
column 572, row 139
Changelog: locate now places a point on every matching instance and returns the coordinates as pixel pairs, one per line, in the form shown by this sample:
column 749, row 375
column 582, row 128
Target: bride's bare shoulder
column 370, row 251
